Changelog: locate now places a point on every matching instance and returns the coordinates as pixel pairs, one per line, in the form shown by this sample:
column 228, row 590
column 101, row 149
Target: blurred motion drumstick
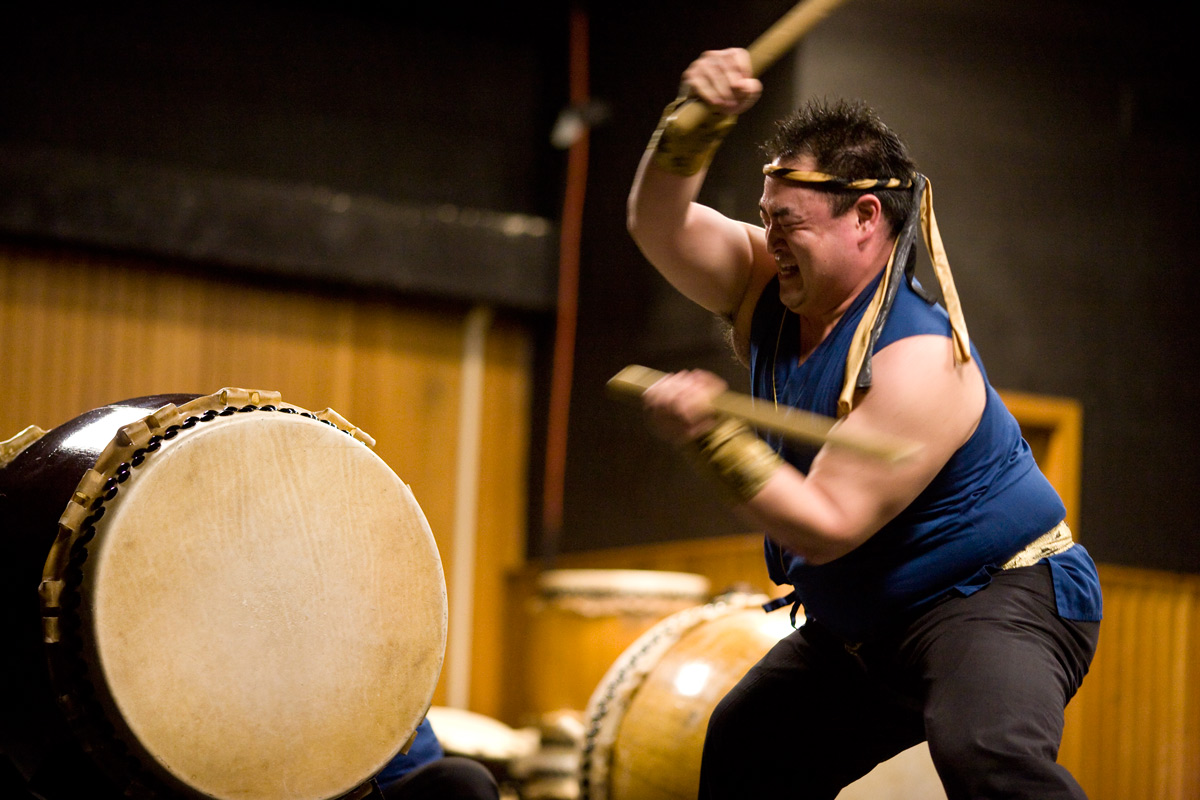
column 801, row 426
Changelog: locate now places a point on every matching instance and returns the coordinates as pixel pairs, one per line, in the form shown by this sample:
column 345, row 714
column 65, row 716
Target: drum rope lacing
column 630, row 662
column 61, row 598
column 636, row 663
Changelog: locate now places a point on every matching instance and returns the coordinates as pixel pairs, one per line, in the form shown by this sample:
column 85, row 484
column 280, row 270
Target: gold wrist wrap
column 738, row 460
column 686, row 153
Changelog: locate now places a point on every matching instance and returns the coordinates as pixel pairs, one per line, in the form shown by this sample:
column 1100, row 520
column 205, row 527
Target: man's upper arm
column 710, row 258
column 919, row 394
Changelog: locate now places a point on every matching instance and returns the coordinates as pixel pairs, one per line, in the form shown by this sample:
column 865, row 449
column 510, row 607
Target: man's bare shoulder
column 762, row 270
column 919, row 391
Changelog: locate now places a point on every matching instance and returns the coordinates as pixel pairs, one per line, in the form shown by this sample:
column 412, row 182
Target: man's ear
column 868, row 213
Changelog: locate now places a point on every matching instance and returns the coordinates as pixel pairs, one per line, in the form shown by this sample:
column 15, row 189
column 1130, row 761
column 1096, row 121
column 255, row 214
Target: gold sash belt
column 1057, row 540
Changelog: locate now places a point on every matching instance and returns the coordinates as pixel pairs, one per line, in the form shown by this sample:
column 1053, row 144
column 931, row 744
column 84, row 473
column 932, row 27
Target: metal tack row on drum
column 212, row 597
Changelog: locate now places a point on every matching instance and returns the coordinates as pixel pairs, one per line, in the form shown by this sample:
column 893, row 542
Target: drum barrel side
column 35, row 488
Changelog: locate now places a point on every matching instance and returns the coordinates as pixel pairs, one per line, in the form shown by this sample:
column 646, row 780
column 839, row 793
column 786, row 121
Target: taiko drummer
column 945, row 599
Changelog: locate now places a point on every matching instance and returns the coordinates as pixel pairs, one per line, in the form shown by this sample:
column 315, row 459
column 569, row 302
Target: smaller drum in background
column 581, row 619
column 647, row 718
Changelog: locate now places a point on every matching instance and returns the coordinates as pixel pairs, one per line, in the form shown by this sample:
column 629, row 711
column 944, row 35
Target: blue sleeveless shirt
column 988, row 502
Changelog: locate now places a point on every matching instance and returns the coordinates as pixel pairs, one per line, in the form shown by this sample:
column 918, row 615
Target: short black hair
column 847, row 139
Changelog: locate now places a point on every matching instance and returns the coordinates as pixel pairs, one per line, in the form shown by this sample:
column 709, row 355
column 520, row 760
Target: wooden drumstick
column 765, row 51
column 801, row 426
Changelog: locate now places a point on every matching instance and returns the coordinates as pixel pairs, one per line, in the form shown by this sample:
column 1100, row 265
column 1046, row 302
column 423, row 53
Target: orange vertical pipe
column 568, row 293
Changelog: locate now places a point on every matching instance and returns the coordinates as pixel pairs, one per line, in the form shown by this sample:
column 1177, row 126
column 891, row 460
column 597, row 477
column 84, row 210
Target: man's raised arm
column 708, row 257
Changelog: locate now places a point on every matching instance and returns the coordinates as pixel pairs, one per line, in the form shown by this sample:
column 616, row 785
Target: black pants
column 449, row 778
column 984, row 678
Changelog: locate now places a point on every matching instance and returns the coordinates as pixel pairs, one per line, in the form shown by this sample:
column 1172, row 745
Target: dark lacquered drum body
column 223, row 596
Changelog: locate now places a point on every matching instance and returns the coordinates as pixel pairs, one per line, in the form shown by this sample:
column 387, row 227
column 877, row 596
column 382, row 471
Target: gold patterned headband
column 833, row 181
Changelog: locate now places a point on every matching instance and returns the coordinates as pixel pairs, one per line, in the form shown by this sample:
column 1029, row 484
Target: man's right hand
column 723, row 79
column 679, row 405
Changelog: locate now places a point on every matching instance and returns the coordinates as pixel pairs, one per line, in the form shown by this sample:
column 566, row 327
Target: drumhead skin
column 262, row 610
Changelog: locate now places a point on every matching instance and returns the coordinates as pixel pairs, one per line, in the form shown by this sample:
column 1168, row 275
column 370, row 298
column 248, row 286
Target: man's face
column 810, row 246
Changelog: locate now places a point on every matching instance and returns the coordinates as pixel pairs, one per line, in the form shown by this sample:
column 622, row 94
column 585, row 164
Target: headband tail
column 901, row 266
column 941, row 268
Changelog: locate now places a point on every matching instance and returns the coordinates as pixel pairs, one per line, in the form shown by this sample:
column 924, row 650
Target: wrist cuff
column 686, row 153
column 736, row 458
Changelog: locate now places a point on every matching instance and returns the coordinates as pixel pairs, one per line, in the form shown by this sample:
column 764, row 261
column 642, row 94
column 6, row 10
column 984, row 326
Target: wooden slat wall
column 80, row 331
column 1134, row 728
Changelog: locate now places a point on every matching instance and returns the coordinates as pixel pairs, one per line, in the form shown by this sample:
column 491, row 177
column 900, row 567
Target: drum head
column 263, row 610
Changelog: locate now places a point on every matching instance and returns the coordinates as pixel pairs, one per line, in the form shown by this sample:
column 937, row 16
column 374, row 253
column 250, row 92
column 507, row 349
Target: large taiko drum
column 581, row 619
column 222, row 597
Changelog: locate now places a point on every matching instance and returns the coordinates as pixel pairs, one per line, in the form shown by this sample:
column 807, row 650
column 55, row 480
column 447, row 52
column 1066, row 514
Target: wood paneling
column 1134, row 728
column 80, row 331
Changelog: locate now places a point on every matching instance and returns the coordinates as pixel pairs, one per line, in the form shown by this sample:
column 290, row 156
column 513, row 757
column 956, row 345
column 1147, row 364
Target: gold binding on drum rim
column 11, row 448
column 135, row 436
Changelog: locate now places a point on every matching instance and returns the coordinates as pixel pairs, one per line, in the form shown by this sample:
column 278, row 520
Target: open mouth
column 784, row 264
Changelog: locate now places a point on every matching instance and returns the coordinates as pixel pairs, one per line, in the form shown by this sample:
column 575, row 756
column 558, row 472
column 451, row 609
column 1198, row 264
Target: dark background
column 348, row 146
